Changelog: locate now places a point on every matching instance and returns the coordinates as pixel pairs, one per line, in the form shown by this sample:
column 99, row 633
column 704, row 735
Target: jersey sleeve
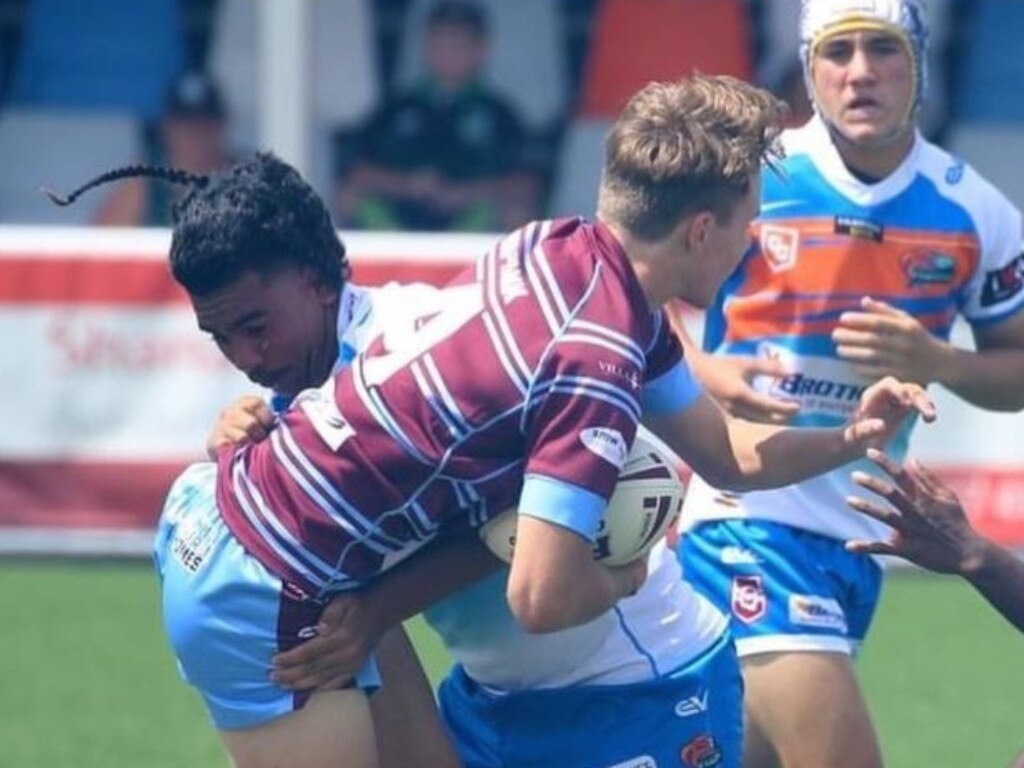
column 996, row 291
column 669, row 385
column 581, row 422
column 584, row 418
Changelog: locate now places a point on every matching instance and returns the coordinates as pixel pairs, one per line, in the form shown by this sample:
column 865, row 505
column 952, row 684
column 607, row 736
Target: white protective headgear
column 820, row 19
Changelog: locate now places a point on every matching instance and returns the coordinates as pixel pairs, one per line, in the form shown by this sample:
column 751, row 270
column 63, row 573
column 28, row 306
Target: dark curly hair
column 259, row 215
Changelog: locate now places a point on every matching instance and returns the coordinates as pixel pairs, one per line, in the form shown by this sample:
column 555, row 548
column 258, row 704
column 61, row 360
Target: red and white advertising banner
column 109, row 389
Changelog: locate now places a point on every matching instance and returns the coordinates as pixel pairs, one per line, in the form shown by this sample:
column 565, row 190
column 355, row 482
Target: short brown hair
column 686, row 146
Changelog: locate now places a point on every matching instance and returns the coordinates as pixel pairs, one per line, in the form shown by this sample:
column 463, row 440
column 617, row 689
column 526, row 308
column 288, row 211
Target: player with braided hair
column 296, row 307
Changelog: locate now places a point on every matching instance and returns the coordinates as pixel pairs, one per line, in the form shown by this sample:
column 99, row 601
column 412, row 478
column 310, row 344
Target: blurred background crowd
column 437, row 115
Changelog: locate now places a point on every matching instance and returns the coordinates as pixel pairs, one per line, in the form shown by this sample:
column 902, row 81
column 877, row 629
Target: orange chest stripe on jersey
column 815, row 260
column 764, row 315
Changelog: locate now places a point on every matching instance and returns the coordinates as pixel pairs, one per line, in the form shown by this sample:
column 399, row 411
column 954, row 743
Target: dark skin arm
column 930, row 528
column 352, row 623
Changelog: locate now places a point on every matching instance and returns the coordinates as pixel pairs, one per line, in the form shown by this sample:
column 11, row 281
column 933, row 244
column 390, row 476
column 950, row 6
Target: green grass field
column 86, row 680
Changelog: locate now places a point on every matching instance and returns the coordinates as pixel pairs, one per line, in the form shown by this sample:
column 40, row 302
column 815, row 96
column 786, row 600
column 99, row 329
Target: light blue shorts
column 691, row 718
column 785, row 589
column 224, row 613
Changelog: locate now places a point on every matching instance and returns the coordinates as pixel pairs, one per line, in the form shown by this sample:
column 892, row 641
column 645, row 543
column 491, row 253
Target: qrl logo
column 749, row 602
column 779, row 246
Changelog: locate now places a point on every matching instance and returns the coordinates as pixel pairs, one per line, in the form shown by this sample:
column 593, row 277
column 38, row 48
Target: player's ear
column 697, row 229
column 325, row 293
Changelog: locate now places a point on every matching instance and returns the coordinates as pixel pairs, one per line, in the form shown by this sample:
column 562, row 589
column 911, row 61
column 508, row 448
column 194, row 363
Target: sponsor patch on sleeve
column 607, row 443
column 1003, row 283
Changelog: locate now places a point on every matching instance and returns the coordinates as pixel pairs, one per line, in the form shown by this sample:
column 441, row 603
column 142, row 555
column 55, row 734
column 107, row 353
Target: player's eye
column 837, row 51
column 255, row 331
column 885, row 46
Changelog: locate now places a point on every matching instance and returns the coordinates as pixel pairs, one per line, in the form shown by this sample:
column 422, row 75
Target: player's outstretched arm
column 739, row 455
column 931, row 529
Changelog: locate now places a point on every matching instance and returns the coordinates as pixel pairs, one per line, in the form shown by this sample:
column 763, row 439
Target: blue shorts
column 224, row 613
column 690, row 718
column 785, row 589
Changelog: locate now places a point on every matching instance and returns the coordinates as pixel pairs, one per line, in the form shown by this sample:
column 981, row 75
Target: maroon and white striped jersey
column 520, row 384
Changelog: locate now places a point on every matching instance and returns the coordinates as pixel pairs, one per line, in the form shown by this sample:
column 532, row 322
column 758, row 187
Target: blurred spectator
column 445, row 154
column 190, row 136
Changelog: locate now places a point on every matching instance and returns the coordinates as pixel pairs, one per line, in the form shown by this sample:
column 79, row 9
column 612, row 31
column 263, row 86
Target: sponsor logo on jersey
column 749, row 602
column 780, row 246
column 827, row 394
column 693, row 705
column 1003, row 283
column 814, row 611
column 607, row 443
column 641, row 761
column 928, row 268
column 193, row 541
column 852, row 226
column 620, row 371
column 817, row 385
column 702, row 752
column 738, row 556
column 324, row 416
column 955, row 173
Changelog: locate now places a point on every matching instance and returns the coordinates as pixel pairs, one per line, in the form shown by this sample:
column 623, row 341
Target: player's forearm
column 768, row 456
column 998, row 575
column 555, row 582
column 568, row 597
column 437, row 572
column 989, row 379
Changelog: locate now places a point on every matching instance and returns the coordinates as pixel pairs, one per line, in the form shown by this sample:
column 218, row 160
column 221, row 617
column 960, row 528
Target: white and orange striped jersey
column 933, row 238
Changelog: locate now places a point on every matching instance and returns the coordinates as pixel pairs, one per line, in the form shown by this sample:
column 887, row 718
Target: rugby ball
column 645, row 504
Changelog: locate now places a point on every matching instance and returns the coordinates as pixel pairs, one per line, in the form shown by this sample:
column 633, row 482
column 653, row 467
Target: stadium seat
column 59, row 150
column 636, row 41
column 993, row 68
column 574, row 191
column 111, row 55
column 345, row 82
column 527, row 61
column 997, row 152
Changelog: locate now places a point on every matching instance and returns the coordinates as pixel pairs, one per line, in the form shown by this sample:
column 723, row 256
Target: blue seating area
column 111, row 55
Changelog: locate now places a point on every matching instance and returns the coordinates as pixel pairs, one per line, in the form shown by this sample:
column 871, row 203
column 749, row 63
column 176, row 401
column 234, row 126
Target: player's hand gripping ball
column 646, row 503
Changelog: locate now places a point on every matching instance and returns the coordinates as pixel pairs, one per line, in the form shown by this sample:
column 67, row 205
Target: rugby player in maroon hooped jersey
column 569, row 348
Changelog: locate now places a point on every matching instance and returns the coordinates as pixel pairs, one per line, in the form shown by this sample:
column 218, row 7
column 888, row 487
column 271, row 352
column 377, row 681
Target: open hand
column 883, row 340
column 346, row 634
column 929, row 525
column 883, row 408
column 729, row 379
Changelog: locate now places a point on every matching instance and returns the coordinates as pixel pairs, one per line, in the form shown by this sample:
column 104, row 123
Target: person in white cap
column 870, row 242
